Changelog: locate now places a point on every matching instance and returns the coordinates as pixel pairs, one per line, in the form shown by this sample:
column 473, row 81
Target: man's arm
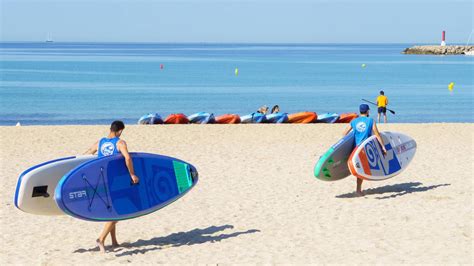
column 347, row 130
column 93, row 148
column 375, row 130
column 122, row 146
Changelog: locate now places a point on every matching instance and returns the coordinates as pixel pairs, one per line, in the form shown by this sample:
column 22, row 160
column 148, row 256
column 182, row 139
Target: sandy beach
column 257, row 200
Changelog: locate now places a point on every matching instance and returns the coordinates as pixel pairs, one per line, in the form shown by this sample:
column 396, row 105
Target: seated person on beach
column 110, row 145
column 382, row 102
column 275, row 109
column 364, row 127
column 263, row 110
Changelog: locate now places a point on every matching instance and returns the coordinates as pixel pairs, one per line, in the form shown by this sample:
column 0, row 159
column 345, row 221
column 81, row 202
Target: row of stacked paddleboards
column 254, row 118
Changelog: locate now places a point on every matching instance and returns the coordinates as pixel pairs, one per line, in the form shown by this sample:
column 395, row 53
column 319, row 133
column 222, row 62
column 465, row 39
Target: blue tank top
column 108, row 147
column 362, row 127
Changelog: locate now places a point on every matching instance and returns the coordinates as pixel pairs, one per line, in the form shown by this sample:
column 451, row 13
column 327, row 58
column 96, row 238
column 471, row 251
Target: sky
column 244, row 21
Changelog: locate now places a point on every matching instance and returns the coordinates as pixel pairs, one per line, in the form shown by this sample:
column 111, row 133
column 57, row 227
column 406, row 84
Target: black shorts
column 382, row 110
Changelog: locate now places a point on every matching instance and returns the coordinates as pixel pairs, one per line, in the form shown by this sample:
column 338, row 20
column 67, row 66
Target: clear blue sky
column 299, row 21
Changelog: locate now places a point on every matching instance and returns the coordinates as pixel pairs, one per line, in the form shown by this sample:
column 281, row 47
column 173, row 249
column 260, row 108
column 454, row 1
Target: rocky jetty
column 440, row 50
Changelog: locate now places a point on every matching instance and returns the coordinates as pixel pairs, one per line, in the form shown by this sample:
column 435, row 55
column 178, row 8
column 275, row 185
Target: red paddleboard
column 228, row 119
column 176, row 119
column 347, row 117
column 302, row 118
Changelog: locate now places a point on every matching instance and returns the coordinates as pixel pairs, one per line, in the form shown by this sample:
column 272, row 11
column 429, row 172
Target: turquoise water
column 87, row 83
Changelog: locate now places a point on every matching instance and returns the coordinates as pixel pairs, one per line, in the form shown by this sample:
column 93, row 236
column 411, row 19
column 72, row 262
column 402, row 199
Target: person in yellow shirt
column 382, row 102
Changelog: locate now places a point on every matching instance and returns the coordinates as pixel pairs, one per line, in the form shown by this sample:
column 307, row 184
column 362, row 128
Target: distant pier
column 440, row 50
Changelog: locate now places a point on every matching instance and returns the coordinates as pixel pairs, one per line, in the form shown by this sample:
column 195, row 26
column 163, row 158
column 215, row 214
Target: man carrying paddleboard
column 382, row 102
column 364, row 127
column 111, row 145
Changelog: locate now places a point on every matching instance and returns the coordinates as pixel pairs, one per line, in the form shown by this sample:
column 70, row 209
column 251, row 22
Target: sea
column 55, row 83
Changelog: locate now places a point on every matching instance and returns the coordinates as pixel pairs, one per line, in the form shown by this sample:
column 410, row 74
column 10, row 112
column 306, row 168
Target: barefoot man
column 364, row 127
column 110, row 145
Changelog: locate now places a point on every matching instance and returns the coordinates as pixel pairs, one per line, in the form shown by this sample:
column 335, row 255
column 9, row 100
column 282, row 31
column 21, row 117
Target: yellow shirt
column 382, row 101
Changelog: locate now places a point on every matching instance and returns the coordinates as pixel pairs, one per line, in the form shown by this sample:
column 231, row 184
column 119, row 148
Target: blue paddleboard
column 101, row 189
column 252, row 118
column 150, row 119
column 202, row 118
column 327, row 118
column 276, row 118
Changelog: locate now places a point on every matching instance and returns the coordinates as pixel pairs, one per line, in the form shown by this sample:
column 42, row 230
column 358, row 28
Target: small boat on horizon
column 49, row 38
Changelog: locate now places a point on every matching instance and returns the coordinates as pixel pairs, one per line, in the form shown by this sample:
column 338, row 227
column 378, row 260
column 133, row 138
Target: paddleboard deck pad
column 368, row 162
column 35, row 187
column 332, row 165
column 102, row 190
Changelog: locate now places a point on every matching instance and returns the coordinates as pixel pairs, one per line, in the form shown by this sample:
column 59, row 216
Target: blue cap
column 364, row 108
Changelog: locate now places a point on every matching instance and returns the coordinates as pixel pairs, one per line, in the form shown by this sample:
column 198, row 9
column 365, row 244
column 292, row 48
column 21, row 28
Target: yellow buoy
column 363, row 65
column 236, row 71
column 451, row 86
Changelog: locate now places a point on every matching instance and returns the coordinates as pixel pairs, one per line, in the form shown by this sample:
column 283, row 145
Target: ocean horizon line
column 226, row 43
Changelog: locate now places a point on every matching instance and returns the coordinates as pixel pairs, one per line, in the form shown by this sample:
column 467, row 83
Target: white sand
column 257, row 200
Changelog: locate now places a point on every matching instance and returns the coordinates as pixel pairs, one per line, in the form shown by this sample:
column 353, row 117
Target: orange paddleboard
column 228, row 119
column 347, row 117
column 302, row 118
column 176, row 119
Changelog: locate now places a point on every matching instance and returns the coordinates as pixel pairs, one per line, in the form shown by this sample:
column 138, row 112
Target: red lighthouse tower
column 443, row 39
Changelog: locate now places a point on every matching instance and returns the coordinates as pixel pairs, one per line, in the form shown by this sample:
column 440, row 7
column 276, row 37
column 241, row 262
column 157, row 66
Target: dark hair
column 116, row 126
column 275, row 107
column 381, row 92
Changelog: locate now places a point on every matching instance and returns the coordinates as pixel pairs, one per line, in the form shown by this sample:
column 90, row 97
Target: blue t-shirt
column 108, row 147
column 362, row 127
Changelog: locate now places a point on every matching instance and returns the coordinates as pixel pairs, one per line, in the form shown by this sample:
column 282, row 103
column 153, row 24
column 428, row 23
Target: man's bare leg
column 385, row 118
column 101, row 240
column 114, row 236
column 378, row 118
column 359, row 187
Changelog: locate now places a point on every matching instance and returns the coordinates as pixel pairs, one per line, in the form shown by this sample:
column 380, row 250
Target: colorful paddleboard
column 252, row 118
column 302, row 118
column 332, row 165
column 276, row 118
column 150, row 119
column 328, row 118
column 176, row 119
column 347, row 117
column 101, row 189
column 228, row 119
column 202, row 118
column 368, row 162
column 35, row 187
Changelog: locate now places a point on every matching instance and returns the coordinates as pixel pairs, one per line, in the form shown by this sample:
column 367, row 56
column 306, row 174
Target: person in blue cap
column 364, row 127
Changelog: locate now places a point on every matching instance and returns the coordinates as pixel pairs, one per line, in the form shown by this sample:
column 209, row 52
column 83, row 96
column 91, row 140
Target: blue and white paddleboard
column 35, row 187
column 202, row 118
column 150, row 119
column 101, row 189
column 368, row 162
column 327, row 118
column 276, row 118
column 252, row 118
